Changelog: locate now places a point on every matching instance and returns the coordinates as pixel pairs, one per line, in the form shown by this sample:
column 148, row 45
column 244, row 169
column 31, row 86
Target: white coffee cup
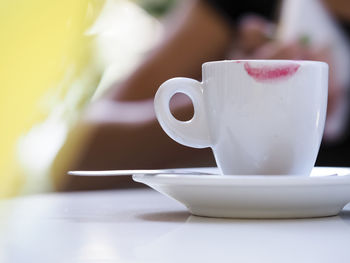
column 258, row 116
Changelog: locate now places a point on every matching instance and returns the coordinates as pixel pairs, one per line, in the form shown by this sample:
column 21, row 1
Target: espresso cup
column 260, row 117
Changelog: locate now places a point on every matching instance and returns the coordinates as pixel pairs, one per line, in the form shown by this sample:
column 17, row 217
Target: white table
column 145, row 226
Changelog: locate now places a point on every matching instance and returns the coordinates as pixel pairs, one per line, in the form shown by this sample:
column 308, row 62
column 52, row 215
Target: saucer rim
column 247, row 180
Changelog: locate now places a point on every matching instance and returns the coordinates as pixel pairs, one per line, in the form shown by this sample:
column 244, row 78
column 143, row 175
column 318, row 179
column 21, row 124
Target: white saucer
column 324, row 193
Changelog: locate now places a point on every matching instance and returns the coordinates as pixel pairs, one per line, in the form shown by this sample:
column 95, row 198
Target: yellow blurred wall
column 39, row 39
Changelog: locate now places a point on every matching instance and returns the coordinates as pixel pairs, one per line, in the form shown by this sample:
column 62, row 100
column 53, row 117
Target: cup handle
column 194, row 132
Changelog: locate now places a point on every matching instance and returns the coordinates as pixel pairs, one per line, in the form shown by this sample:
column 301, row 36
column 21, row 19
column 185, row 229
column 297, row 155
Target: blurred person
column 120, row 130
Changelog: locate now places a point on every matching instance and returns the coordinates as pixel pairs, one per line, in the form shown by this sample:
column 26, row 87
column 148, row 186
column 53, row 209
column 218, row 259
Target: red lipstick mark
column 270, row 73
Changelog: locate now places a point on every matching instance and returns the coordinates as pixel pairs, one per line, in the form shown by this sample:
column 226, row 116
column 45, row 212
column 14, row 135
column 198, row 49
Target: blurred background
column 59, row 56
column 55, row 56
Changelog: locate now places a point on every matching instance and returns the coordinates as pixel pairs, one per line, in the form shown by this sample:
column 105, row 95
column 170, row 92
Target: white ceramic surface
column 258, row 116
column 324, row 193
column 303, row 19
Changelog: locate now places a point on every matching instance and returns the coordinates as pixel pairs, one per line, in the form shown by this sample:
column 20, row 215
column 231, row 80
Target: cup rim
column 235, row 61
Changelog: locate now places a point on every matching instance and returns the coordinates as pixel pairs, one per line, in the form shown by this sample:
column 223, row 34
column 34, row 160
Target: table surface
column 142, row 225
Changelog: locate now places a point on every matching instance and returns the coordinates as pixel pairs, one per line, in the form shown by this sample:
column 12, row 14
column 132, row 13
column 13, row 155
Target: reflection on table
column 142, row 225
